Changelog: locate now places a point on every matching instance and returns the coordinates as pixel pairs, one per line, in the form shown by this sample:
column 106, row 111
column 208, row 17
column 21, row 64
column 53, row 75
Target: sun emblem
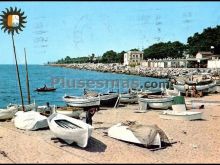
column 12, row 20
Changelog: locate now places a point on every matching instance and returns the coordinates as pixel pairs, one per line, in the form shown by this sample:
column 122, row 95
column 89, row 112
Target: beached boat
column 30, row 120
column 181, row 115
column 207, row 87
column 9, row 112
column 150, row 91
column 46, row 110
column 69, row 129
column 45, row 89
column 106, row 99
column 128, row 97
column 156, row 101
column 170, row 92
column 83, row 101
column 150, row 135
column 70, row 111
column 201, row 82
column 28, row 107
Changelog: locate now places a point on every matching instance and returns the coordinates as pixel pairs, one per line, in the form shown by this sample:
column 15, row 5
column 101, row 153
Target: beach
column 192, row 141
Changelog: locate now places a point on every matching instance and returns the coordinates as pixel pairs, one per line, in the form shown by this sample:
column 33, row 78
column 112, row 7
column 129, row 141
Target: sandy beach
column 193, row 141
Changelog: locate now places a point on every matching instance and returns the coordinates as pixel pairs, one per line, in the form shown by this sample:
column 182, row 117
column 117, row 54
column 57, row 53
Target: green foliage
column 198, row 42
column 135, row 49
column 202, row 42
column 69, row 60
column 109, row 57
column 164, row 50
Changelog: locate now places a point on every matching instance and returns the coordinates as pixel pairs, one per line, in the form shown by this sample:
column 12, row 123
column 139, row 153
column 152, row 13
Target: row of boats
column 64, row 126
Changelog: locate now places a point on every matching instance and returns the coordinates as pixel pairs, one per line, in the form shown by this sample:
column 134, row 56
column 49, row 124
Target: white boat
column 28, row 107
column 45, row 110
column 138, row 133
column 76, row 101
column 181, row 115
column 206, row 87
column 128, row 98
column 9, row 112
column 170, row 92
column 156, row 101
column 149, row 91
column 30, row 120
column 108, row 99
column 69, row 129
column 70, row 111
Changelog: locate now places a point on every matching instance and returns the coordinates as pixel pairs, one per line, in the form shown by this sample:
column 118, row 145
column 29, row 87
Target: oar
column 117, row 102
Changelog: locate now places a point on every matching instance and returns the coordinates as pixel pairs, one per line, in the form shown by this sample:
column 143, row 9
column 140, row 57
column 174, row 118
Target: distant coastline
column 161, row 73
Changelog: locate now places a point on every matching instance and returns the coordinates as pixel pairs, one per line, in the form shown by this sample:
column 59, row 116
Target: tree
column 164, row 50
column 135, row 49
column 203, row 42
column 109, row 57
column 120, row 57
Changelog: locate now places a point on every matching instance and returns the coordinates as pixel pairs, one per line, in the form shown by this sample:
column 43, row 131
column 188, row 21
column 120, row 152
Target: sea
column 68, row 81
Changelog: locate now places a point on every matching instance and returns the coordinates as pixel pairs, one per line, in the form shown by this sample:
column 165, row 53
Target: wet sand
column 193, row 141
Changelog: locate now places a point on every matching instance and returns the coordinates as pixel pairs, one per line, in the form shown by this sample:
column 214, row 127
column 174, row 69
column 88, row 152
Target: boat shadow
column 94, row 145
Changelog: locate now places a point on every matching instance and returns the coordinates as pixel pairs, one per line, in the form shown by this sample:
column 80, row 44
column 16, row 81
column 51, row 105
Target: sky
column 55, row 30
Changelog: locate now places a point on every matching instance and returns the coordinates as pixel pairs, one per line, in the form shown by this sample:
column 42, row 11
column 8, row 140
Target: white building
column 133, row 57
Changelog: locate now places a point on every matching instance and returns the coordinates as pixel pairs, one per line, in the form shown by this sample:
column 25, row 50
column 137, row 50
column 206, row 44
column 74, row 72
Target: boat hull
column 79, row 134
column 207, row 87
column 8, row 113
column 108, row 100
column 30, row 120
column 128, row 98
column 172, row 115
column 82, row 101
column 157, row 103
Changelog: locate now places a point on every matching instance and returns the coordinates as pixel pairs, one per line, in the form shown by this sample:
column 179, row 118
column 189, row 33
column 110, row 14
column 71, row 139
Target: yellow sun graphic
column 12, row 20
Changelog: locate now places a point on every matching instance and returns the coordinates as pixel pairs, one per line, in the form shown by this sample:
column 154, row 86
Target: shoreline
column 160, row 73
column 193, row 141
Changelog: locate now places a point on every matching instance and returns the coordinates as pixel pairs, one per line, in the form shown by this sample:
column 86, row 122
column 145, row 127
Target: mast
column 18, row 75
column 27, row 79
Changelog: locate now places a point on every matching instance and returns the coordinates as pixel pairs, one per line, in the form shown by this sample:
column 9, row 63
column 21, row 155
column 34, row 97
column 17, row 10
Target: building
column 165, row 63
column 133, row 57
column 201, row 60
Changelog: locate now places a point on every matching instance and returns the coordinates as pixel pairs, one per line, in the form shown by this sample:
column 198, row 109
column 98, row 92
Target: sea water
column 66, row 80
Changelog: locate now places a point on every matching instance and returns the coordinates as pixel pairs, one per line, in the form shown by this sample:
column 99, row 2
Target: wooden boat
column 170, row 92
column 30, row 120
column 28, row 107
column 181, row 115
column 45, row 110
column 83, row 101
column 207, row 87
column 128, row 97
column 70, row 111
column 202, row 82
column 150, row 91
column 106, row 99
column 137, row 133
column 45, row 89
column 69, row 129
column 9, row 112
column 156, row 101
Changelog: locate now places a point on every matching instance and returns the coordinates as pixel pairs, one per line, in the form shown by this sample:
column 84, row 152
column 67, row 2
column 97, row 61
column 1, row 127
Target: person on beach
column 193, row 91
column 89, row 114
column 186, row 88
